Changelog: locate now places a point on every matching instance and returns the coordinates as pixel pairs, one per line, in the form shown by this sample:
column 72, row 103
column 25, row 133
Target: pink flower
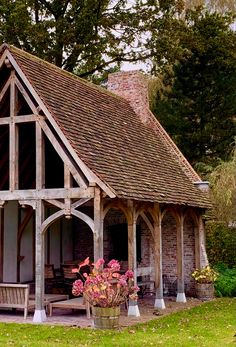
column 84, row 263
column 77, row 288
column 114, row 265
column 129, row 274
column 105, row 287
column 98, row 263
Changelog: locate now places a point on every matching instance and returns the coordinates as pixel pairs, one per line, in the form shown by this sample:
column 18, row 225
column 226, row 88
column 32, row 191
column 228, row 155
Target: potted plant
column 105, row 289
column 205, row 278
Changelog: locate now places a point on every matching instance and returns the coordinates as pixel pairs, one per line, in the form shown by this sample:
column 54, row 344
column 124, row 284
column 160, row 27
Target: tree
column 90, row 36
column 221, row 229
column 199, row 108
column 81, row 35
column 223, row 191
column 221, row 6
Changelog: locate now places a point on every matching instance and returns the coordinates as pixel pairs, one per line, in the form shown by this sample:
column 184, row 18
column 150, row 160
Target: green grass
column 211, row 324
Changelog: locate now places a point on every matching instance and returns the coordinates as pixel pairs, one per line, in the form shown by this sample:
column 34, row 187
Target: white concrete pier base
column 133, row 309
column 181, row 297
column 39, row 316
column 160, row 303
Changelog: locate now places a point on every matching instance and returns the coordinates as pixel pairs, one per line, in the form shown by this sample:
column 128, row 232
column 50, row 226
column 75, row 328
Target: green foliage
column 199, row 108
column 81, row 35
column 215, row 5
column 223, row 191
column 225, row 284
column 221, row 244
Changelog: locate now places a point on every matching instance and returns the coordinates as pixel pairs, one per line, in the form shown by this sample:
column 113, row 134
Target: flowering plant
column 205, row 275
column 105, row 287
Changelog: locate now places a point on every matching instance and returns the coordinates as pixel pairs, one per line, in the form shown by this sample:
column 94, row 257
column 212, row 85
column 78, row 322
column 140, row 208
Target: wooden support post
column 67, row 185
column 203, row 260
column 13, row 138
column 197, row 247
column 40, row 158
column 98, row 231
column 180, row 259
column 159, row 300
column 39, row 314
column 133, row 309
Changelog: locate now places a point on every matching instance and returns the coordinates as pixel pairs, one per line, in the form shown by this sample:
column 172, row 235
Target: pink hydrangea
column 77, row 288
column 99, row 263
column 129, row 274
column 114, row 265
column 105, row 287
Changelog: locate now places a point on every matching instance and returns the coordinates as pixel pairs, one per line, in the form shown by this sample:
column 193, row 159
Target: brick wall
column 82, row 237
column 83, row 247
column 189, row 255
column 169, row 250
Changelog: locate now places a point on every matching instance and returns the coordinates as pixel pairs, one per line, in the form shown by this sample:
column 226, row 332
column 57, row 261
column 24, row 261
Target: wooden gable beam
column 5, row 88
column 26, row 96
column 14, row 137
column 86, row 171
column 62, row 154
column 47, row 194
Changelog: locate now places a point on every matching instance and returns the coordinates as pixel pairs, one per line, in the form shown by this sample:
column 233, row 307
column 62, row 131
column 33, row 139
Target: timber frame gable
column 84, row 191
column 45, row 124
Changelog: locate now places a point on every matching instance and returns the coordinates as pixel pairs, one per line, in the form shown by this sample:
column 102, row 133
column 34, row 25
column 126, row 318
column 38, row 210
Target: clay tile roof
column 109, row 137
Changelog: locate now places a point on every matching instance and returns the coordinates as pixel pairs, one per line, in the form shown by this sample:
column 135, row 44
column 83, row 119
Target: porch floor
column 78, row 318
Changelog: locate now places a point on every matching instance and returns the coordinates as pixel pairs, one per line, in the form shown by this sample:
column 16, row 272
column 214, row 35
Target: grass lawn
column 211, row 324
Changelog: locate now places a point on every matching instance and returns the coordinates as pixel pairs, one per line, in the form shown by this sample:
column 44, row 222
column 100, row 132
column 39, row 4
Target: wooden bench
column 76, row 303
column 16, row 296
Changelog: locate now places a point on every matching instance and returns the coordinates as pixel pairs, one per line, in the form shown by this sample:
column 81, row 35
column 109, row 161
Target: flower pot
column 106, row 317
column 205, row 291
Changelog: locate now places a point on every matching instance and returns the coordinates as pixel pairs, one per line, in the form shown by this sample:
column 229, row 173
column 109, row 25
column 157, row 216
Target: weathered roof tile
column 109, row 137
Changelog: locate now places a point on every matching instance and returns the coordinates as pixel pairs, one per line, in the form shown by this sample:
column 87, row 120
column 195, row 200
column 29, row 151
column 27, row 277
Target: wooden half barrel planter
column 205, row 291
column 106, row 317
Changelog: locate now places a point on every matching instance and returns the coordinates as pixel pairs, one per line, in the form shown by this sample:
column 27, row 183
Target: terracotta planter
column 106, row 317
column 205, row 291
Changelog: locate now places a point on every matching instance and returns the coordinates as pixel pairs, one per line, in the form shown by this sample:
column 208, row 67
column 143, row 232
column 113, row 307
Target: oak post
column 40, row 158
column 98, row 232
column 180, row 259
column 202, row 243
column 13, row 138
column 39, row 314
column 133, row 309
column 159, row 300
column 197, row 247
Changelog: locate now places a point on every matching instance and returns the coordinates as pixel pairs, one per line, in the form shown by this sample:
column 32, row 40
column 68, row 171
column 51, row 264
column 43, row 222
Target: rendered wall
column 10, row 242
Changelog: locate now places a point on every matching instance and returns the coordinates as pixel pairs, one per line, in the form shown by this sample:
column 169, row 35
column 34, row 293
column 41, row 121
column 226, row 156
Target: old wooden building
column 90, row 172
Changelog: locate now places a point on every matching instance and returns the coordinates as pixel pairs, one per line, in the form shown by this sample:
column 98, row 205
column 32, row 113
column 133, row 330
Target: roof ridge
column 59, row 69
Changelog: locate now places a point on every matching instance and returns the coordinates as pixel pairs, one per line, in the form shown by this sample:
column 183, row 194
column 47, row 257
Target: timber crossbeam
column 45, row 194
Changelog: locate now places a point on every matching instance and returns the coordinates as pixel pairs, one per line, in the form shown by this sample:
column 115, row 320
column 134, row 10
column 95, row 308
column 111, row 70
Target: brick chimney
column 132, row 86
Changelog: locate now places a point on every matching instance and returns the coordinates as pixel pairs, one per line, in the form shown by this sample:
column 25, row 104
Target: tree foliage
column 221, row 6
column 223, row 191
column 198, row 105
column 82, row 35
column 87, row 36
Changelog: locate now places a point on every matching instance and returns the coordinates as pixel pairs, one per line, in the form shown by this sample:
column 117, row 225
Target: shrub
column 225, row 284
column 221, row 244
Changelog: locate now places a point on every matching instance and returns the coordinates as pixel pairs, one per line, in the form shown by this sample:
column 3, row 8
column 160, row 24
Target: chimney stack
column 132, row 86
